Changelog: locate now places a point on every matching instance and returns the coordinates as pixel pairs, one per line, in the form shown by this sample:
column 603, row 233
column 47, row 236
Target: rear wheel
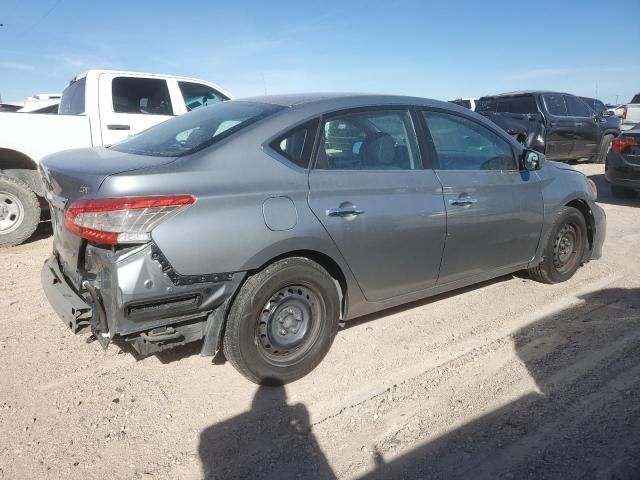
column 19, row 211
column 605, row 145
column 282, row 322
column 564, row 248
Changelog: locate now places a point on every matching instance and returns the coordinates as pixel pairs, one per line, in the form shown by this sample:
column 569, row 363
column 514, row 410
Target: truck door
column 587, row 132
column 560, row 127
column 131, row 103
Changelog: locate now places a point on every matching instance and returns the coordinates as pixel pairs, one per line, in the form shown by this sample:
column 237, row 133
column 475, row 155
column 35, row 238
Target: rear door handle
column 344, row 212
column 463, row 201
column 118, row 127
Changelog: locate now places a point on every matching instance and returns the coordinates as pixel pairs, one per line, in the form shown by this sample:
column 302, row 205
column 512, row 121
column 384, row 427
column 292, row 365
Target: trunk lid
column 76, row 174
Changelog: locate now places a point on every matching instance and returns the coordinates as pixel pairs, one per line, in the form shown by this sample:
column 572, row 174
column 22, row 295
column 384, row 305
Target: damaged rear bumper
column 136, row 295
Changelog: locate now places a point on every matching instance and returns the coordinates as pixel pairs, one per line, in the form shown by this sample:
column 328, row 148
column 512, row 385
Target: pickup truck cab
column 560, row 125
column 98, row 108
column 631, row 113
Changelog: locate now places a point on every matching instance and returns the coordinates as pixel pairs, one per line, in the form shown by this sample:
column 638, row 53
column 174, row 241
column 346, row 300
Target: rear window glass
column 635, row 99
column 297, row 144
column 522, row 104
column 148, row 96
column 196, row 130
column 72, row 101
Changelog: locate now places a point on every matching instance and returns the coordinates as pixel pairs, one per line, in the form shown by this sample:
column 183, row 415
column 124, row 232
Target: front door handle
column 462, row 201
column 344, row 212
column 118, row 127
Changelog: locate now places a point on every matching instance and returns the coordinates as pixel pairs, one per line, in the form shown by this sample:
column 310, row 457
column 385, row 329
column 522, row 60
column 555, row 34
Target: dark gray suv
column 259, row 225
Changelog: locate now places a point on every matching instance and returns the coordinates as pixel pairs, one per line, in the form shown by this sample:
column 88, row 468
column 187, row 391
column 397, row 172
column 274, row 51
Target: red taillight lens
column 115, row 221
column 621, row 143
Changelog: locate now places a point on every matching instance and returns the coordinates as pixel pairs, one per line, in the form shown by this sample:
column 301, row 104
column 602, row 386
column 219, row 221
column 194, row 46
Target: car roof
column 343, row 100
column 523, row 92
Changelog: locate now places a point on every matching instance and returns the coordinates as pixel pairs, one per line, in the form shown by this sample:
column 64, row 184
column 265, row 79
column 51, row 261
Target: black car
column 622, row 168
column 560, row 125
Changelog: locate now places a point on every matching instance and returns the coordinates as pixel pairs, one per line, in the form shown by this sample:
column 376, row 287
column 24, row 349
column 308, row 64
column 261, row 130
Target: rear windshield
column 523, row 104
column 635, row 99
column 196, row 130
column 72, row 101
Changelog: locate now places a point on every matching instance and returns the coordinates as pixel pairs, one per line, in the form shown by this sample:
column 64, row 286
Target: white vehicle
column 631, row 113
column 98, row 108
column 469, row 103
column 42, row 103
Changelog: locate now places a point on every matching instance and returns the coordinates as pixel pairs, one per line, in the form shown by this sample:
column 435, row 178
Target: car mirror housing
column 532, row 160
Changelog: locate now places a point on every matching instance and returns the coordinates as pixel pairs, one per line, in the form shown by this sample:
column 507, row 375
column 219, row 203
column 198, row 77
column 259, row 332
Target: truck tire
column 19, row 211
column 564, row 248
column 605, row 144
column 282, row 321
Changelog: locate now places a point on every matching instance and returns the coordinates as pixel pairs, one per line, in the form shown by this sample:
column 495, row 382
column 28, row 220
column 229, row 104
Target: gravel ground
column 508, row 379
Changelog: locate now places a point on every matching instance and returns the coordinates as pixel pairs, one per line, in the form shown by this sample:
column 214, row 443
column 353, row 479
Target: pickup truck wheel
column 605, row 145
column 19, row 211
column 564, row 248
column 282, row 322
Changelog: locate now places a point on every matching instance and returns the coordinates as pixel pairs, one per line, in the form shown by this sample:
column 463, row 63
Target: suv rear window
column 522, row 104
column 196, row 130
column 72, row 101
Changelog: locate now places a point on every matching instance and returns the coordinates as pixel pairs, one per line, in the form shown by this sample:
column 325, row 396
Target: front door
column 130, row 104
column 586, row 137
column 494, row 210
column 383, row 211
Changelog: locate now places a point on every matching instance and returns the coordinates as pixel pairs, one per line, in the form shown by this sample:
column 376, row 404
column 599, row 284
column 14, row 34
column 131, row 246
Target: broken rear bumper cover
column 136, row 295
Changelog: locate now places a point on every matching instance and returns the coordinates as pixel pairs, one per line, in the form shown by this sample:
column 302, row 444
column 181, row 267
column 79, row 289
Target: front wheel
column 19, row 211
column 564, row 248
column 282, row 322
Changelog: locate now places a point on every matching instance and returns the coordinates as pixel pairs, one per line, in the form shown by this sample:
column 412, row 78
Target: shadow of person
column 584, row 422
column 272, row 440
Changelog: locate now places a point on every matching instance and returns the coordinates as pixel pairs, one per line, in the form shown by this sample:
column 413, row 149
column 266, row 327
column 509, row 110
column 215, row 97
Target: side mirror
column 532, row 160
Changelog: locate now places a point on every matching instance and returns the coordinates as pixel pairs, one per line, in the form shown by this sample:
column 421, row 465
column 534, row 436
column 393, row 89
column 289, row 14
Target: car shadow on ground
column 605, row 195
column 584, row 422
column 44, row 230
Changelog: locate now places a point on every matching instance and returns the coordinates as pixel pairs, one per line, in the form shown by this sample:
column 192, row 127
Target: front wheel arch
column 583, row 207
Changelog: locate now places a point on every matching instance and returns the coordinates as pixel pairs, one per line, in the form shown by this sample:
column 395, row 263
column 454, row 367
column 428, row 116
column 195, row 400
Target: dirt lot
column 509, row 379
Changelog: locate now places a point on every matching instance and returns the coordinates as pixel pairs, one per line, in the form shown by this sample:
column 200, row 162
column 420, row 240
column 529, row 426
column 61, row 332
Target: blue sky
column 437, row 49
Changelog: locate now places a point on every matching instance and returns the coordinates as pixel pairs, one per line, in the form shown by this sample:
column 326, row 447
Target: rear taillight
column 115, row 221
column 620, row 144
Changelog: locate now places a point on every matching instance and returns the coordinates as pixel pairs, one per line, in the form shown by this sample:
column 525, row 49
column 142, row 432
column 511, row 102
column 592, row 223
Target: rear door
column 560, row 127
column 130, row 104
column 494, row 211
column 383, row 211
column 586, row 134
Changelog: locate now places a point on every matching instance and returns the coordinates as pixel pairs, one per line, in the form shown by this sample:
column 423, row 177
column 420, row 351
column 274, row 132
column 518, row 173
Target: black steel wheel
column 564, row 249
column 282, row 322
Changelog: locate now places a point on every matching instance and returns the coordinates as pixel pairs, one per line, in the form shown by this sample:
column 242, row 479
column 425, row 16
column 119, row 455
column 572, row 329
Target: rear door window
column 372, row 140
column 462, row 144
column 198, row 95
column 146, row 96
column 556, row 104
column 297, row 144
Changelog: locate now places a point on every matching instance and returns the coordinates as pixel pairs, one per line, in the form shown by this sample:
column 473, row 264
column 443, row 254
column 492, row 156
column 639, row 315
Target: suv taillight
column 621, row 143
column 116, row 221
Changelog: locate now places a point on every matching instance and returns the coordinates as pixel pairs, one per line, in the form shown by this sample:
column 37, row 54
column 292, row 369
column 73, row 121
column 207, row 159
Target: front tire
column 19, row 211
column 282, row 322
column 564, row 248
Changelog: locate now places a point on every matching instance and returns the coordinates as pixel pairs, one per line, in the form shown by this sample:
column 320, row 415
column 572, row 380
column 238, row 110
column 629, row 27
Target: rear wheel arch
column 19, row 165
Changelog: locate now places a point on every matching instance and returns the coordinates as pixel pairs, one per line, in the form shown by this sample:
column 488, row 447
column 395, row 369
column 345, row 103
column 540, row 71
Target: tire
column 564, row 248
column 605, row 144
column 282, row 321
column 621, row 192
column 19, row 211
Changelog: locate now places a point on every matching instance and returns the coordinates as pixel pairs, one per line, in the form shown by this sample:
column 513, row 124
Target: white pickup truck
column 97, row 108
column 631, row 113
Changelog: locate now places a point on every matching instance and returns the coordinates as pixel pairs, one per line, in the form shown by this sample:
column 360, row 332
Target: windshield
column 522, row 104
column 196, row 130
